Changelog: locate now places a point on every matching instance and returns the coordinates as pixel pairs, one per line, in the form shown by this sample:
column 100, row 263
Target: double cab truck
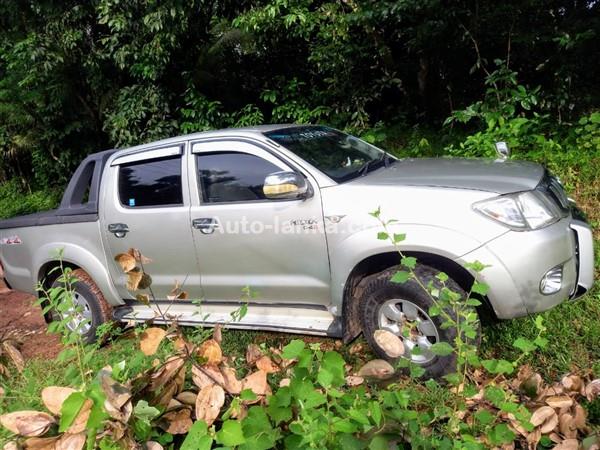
column 284, row 209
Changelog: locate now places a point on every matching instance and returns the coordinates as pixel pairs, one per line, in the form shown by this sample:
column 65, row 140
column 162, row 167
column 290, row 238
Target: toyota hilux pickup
column 285, row 209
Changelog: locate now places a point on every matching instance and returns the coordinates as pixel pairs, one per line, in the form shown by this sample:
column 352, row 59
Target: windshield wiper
column 371, row 164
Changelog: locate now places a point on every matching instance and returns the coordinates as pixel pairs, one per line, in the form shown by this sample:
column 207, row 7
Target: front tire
column 403, row 308
column 92, row 308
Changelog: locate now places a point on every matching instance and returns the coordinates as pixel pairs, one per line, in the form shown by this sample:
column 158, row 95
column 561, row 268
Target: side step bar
column 287, row 319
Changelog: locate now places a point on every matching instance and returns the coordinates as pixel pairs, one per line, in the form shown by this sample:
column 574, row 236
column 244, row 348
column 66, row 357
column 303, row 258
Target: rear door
column 146, row 206
column 276, row 247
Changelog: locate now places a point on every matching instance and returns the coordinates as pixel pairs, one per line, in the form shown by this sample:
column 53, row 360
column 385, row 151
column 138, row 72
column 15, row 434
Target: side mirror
column 502, row 150
column 285, row 185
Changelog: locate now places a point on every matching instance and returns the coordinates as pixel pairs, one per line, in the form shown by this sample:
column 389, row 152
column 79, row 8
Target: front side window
column 232, row 176
column 156, row 182
column 340, row 156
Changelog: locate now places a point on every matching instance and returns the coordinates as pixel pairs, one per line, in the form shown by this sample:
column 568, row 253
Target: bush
column 15, row 202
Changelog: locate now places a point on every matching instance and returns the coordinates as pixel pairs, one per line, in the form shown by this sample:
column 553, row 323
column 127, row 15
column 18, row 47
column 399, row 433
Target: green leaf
column 501, row 434
column 524, row 345
column 247, row 395
column 494, row 394
column 400, row 277
column 383, row 236
column 69, row 410
column 293, row 349
column 144, row 411
column 197, row 438
column 442, row 349
column 231, row 433
column 480, row 288
column 399, row 237
column 379, row 443
column 498, row 366
column 409, row 261
column 484, row 417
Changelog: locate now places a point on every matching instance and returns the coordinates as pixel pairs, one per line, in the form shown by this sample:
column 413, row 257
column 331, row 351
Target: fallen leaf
column 15, row 355
column 70, row 441
column 353, row 380
column 38, row 443
column 253, row 353
column 592, row 390
column 207, row 376
column 389, row 343
column 177, row 422
column 210, row 350
column 153, row 445
column 567, row 426
column 559, row 401
column 10, row 445
column 134, row 277
column 80, row 422
column 284, row 382
column 27, row 423
column 579, row 419
column 257, row 382
column 116, row 393
column 151, row 339
column 2, row 392
column 145, row 281
column 377, row 368
column 209, row 402
column 266, row 364
column 545, row 418
column 187, row 397
column 230, row 382
column 568, row 444
column 572, row 383
column 217, row 335
column 126, row 261
column 121, row 414
column 53, row 398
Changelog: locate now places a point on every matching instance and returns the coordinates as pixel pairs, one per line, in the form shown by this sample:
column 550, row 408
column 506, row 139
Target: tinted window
column 151, row 183
column 233, row 176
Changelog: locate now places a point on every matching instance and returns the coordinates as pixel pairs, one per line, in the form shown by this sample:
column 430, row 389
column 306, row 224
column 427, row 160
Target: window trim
column 182, row 169
column 200, row 184
column 157, row 153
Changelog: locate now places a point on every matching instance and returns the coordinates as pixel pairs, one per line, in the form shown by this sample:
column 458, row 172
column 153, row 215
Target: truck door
column 276, row 247
column 146, row 206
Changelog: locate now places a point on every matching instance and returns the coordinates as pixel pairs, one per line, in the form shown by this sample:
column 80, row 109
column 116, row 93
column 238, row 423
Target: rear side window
column 151, row 183
column 233, row 176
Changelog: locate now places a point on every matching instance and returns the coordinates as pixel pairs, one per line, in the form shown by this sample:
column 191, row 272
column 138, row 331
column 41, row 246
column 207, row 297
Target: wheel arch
column 376, row 263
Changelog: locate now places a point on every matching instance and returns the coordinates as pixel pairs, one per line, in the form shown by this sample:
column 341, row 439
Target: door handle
column 118, row 229
column 206, row 225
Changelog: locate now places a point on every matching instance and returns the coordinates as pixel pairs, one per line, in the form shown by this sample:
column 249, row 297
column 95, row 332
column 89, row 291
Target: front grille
column 555, row 192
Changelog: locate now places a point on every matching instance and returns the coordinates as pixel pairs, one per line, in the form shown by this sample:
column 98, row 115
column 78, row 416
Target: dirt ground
column 23, row 320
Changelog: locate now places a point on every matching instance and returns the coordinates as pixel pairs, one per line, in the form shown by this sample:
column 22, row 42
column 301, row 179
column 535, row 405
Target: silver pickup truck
column 284, row 209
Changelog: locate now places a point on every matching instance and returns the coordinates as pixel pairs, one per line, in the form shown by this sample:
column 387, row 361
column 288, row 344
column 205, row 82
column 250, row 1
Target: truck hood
column 490, row 175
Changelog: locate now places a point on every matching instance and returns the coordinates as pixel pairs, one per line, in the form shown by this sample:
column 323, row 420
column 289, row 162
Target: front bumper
column 519, row 260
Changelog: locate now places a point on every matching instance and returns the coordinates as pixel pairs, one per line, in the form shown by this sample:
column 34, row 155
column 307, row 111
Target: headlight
column 523, row 211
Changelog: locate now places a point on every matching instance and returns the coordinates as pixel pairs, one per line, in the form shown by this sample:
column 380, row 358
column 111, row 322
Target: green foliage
column 14, row 201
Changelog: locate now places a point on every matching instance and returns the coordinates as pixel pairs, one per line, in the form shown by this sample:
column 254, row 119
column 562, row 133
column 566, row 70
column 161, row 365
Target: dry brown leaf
column 532, row 385
column 266, row 364
column 217, row 334
column 177, row 293
column 70, row 441
column 210, row 350
column 116, row 393
column 121, row 414
column 27, row 423
column 239, row 412
column 145, row 281
column 153, row 445
column 187, row 397
column 592, row 390
column 353, row 380
column 567, row 426
column 53, row 398
column 83, row 415
column 533, row 438
column 209, row 402
column 37, row 443
column 138, row 256
column 206, row 376
column 144, row 299
column 2, row 392
column 15, row 355
column 545, row 418
column 10, row 445
column 126, row 261
column 559, row 401
column 257, row 383
column 377, row 368
column 177, row 422
column 284, row 382
column 253, row 353
column 134, row 277
column 579, row 418
column 230, row 382
column 572, row 383
column 389, row 343
column 568, row 444
column 151, row 339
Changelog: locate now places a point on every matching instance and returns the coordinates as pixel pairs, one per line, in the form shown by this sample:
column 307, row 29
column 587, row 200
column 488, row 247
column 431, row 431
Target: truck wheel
column 399, row 307
column 94, row 309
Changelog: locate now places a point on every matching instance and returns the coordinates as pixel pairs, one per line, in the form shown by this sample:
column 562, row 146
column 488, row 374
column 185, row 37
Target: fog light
column 552, row 281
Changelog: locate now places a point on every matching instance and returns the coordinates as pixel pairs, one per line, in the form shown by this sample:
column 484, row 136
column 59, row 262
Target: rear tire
column 394, row 306
column 94, row 308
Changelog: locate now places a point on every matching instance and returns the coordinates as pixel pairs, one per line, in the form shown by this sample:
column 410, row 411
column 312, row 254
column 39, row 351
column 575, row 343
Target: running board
column 293, row 319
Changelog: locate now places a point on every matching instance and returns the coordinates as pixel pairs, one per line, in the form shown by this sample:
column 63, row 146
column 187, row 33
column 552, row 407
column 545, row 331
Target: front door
column 275, row 247
column 146, row 206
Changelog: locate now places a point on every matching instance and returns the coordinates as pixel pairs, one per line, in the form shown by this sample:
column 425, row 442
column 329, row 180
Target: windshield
column 339, row 155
